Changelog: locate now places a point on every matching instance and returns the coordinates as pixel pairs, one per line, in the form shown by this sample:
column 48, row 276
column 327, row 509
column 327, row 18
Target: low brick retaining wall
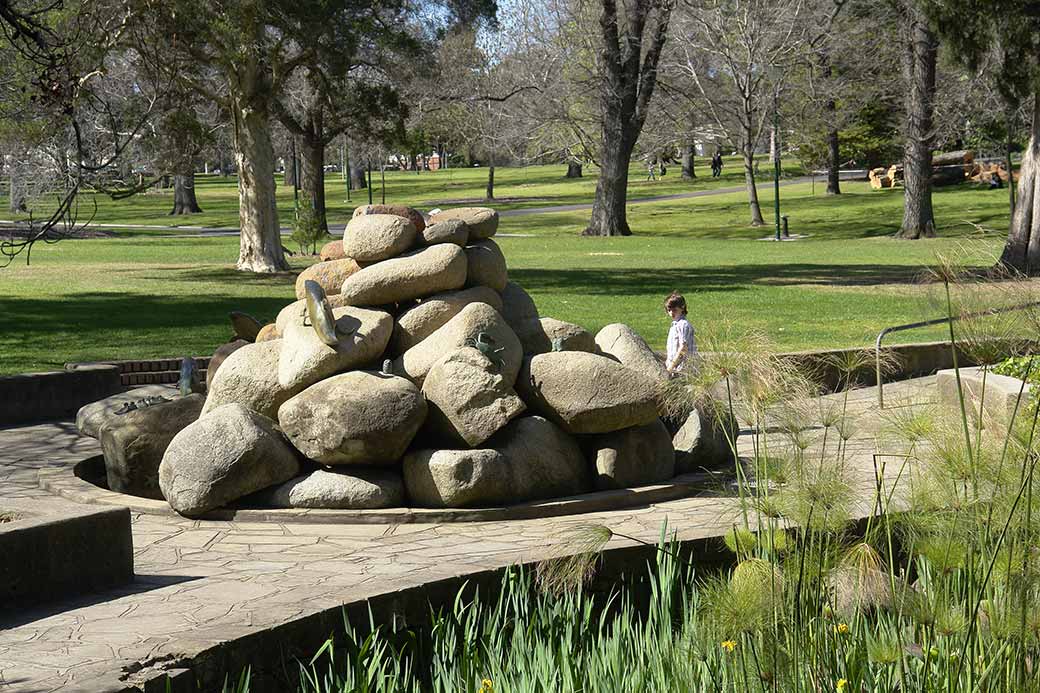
column 55, row 394
column 137, row 372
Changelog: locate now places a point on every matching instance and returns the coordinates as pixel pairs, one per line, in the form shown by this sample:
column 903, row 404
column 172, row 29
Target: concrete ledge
column 1001, row 397
column 83, row 483
column 267, row 650
column 912, row 361
column 55, row 394
column 55, row 556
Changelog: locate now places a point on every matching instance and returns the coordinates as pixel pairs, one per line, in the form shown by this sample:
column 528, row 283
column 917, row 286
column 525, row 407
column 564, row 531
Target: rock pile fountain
column 409, row 372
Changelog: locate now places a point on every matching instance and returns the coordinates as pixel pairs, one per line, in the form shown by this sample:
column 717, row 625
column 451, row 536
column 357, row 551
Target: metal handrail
column 929, row 323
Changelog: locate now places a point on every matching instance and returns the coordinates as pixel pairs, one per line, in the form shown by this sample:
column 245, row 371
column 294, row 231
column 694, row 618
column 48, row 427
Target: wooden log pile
column 982, row 171
column 947, row 169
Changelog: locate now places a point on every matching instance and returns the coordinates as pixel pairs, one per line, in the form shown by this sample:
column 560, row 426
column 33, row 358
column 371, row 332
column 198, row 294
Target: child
column 681, row 343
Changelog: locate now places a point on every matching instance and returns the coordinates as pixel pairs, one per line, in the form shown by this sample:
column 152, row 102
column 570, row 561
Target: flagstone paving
column 201, row 583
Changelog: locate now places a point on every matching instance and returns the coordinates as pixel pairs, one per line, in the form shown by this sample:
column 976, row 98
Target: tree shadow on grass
column 614, row 281
column 129, row 312
column 228, row 274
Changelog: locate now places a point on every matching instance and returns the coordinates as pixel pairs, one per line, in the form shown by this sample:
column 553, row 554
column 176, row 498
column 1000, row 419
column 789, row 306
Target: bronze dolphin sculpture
column 320, row 313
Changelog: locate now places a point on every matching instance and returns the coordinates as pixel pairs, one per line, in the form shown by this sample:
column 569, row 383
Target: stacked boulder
column 411, row 371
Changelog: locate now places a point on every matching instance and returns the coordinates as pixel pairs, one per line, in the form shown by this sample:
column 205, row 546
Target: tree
column 631, row 41
column 59, row 99
column 920, row 50
column 244, row 53
column 735, row 54
column 321, row 107
column 1008, row 34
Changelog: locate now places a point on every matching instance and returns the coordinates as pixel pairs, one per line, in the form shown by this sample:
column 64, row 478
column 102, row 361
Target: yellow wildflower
column 842, row 628
column 841, row 684
column 729, row 645
column 486, row 686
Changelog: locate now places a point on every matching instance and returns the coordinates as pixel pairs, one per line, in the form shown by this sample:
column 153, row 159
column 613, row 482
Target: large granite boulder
column 356, row 418
column 482, row 221
column 486, row 265
column 228, row 453
column 412, row 215
column 329, row 275
column 519, row 310
column 375, row 237
column 469, row 400
column 250, row 377
column 91, row 417
column 413, row 275
column 703, row 441
column 631, row 350
column 586, row 393
column 545, row 461
column 464, row 329
column 634, row 456
column 267, row 333
column 363, row 335
column 219, row 356
column 458, row 478
column 340, row 489
column 447, row 231
column 134, row 443
column 333, row 250
column 556, row 335
column 423, row 319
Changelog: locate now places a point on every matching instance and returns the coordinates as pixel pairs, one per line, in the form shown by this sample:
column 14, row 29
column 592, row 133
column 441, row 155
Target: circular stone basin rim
column 74, row 483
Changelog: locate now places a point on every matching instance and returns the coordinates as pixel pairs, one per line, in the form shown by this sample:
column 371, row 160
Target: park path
column 202, row 583
column 337, row 229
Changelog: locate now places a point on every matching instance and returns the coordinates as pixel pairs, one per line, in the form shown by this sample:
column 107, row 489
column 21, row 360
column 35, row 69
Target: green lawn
column 515, row 188
column 147, row 296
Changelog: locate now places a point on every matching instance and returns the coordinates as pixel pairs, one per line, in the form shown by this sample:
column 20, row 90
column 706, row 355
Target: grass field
column 515, row 188
column 144, row 296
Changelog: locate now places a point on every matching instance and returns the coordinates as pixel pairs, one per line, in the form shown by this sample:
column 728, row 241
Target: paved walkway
column 202, row 583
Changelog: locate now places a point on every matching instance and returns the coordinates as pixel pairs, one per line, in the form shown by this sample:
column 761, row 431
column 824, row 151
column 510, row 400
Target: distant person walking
column 716, row 165
column 651, row 170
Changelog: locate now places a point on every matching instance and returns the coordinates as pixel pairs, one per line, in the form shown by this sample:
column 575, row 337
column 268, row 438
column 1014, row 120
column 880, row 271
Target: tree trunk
column 290, row 168
column 184, row 200
column 312, row 177
column 1022, row 250
column 16, row 194
column 919, row 68
column 489, row 191
column 688, row 154
column 260, row 242
column 608, row 207
column 357, row 177
column 833, row 163
column 1010, row 163
column 573, row 169
column 752, row 190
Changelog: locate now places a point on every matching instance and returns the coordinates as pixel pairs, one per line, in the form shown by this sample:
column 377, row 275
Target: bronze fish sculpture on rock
column 245, row 325
column 189, row 381
column 319, row 313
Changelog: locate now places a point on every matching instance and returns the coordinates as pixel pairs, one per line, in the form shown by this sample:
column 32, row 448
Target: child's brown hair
column 675, row 300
